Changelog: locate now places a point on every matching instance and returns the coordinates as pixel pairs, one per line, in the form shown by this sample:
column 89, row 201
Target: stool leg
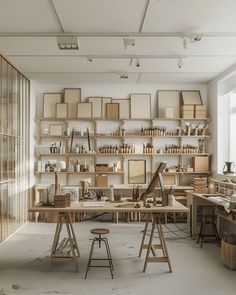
column 108, row 256
column 202, row 233
column 99, row 241
column 109, row 251
column 216, row 234
column 90, row 257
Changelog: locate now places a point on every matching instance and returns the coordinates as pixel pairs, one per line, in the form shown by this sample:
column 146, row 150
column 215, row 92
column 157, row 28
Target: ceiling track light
column 137, row 63
column 180, row 63
column 128, row 42
column 68, row 42
column 191, row 38
column 123, row 77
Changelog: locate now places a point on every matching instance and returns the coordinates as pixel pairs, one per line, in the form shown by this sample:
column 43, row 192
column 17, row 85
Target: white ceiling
column 28, row 30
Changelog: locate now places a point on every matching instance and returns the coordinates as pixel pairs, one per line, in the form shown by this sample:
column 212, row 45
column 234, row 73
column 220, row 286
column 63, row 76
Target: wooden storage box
column 103, row 169
column 201, row 164
column 187, row 114
column 200, row 114
column 187, row 108
column 102, row 181
column 62, row 201
column 201, row 108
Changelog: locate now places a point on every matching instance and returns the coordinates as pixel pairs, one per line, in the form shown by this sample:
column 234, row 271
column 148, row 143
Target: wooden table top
column 112, row 207
column 206, row 197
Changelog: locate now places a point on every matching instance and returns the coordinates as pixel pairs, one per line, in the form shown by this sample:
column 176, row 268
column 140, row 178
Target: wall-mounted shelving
column 100, row 136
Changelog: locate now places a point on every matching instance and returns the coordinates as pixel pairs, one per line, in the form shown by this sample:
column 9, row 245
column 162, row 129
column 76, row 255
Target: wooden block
column 201, row 164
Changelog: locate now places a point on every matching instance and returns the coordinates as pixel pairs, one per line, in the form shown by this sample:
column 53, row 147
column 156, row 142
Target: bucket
column 228, row 251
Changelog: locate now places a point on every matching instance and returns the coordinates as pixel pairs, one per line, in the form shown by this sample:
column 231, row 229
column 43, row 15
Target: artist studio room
column 117, row 147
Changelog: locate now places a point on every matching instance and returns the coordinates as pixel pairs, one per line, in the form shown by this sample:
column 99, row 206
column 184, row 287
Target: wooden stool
column 100, row 239
column 208, row 220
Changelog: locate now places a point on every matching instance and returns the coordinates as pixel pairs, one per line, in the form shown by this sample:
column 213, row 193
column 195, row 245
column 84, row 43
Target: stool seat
column 99, row 231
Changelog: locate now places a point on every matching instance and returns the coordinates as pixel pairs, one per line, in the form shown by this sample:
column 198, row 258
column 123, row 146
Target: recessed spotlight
column 123, row 77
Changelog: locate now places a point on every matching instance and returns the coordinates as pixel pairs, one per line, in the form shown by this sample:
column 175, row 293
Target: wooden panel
column 105, row 100
column 140, row 105
column 112, row 110
column 61, row 110
column 84, row 110
column 72, row 96
column 124, row 107
column 49, row 104
column 168, row 98
column 96, row 106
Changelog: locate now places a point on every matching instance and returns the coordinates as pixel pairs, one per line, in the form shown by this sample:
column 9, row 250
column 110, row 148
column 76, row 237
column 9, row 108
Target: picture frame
column 191, row 97
column 169, row 112
column 49, row 104
column 124, row 112
column 170, row 180
column 84, row 110
column 72, row 96
column 136, row 171
column 55, row 129
column 96, row 106
column 61, row 110
column 105, row 100
column 140, row 106
column 168, row 98
column 112, row 110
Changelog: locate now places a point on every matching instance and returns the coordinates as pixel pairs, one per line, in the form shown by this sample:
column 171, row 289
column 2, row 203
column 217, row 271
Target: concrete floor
column 24, row 267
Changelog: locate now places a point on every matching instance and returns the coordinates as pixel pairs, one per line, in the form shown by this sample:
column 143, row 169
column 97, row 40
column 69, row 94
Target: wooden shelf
column 128, row 119
column 53, row 173
column 104, row 125
column 171, row 173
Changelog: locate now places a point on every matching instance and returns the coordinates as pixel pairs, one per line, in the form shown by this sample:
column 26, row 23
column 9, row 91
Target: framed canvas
column 96, row 106
column 56, row 129
column 192, row 97
column 72, row 96
column 112, row 110
column 168, row 98
column 49, row 104
column 137, row 171
column 170, row 180
column 124, row 112
column 140, row 106
column 105, row 100
column 84, row 110
column 169, row 112
column 61, row 110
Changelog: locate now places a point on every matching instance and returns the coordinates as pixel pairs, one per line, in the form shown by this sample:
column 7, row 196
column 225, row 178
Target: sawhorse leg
column 156, row 224
column 65, row 218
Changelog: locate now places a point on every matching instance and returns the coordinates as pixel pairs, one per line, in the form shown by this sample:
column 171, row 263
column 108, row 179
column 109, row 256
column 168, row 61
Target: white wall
column 217, row 90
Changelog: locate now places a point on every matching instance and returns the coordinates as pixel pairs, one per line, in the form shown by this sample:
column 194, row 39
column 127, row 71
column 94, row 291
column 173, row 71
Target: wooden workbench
column 194, row 200
column 64, row 217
